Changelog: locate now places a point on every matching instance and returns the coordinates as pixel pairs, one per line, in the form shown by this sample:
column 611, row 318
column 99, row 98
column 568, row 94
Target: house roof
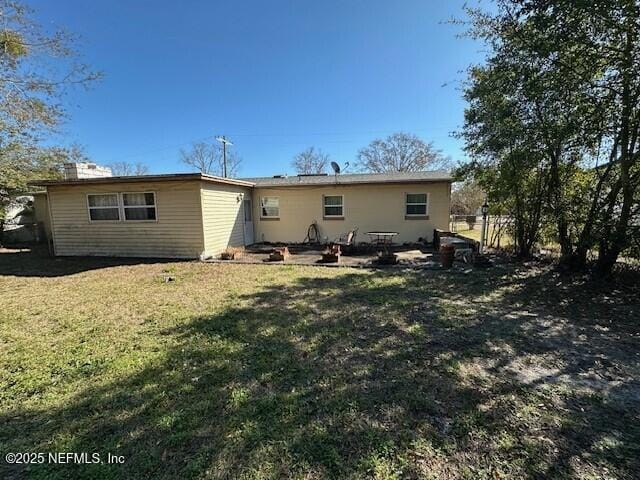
column 351, row 178
column 277, row 181
column 143, row 178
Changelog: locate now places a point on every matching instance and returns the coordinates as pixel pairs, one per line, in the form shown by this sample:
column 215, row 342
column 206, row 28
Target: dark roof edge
column 143, row 178
column 356, row 182
column 230, row 181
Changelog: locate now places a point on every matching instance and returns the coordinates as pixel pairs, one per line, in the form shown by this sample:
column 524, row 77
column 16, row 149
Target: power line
column 327, row 134
column 168, row 147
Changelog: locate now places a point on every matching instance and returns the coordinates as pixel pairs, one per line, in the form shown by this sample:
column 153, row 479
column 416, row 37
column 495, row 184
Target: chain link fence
column 498, row 228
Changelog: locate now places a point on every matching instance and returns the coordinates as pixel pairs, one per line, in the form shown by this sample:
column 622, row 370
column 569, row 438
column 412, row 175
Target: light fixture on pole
column 224, row 142
column 483, row 234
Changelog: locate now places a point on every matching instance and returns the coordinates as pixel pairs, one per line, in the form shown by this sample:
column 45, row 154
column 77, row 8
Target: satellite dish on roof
column 336, row 167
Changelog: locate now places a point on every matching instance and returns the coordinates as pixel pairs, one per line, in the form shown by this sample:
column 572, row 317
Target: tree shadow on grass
column 35, row 261
column 366, row 374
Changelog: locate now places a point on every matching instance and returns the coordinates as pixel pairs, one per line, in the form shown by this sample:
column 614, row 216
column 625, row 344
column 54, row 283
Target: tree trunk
column 555, row 199
column 616, row 239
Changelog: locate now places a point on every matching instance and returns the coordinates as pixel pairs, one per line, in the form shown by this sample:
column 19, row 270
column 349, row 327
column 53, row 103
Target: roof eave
column 371, row 182
column 141, row 179
column 230, row 181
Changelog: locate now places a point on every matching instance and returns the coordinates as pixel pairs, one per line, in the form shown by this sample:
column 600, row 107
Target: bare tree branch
column 401, row 152
column 207, row 158
column 126, row 169
column 310, row 161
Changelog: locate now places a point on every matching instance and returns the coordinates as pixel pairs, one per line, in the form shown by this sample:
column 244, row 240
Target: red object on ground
column 447, row 253
column 279, row 254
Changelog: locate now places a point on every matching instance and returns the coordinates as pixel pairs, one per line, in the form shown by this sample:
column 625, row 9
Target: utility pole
column 224, row 142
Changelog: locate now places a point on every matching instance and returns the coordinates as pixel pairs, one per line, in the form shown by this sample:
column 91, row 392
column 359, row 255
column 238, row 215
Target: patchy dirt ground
column 365, row 255
column 251, row 371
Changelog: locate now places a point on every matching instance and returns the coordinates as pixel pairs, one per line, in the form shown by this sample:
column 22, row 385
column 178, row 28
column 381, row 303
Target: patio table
column 455, row 241
column 382, row 238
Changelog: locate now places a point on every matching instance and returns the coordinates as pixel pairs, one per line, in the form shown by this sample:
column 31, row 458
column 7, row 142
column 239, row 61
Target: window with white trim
column 333, row 205
column 270, row 207
column 103, row 206
column 139, row 206
column 416, row 204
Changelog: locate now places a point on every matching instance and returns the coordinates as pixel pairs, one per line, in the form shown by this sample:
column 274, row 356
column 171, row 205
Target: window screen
column 416, row 204
column 103, row 207
column 270, row 207
column 139, row 206
column 333, row 206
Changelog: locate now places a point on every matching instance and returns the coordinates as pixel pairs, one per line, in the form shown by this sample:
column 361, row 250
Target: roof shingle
column 283, row 181
column 351, row 178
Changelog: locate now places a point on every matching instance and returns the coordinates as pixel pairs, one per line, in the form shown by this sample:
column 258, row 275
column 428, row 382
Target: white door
column 248, row 222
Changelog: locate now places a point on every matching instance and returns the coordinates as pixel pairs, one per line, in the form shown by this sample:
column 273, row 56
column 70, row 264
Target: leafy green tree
column 607, row 35
column 508, row 160
column 561, row 83
column 466, row 198
column 36, row 70
column 22, row 163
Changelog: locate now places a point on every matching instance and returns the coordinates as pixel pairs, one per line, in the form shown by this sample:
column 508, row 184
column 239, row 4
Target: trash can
column 447, row 252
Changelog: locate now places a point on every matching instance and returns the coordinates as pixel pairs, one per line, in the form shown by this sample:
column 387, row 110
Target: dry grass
column 463, row 229
column 250, row 371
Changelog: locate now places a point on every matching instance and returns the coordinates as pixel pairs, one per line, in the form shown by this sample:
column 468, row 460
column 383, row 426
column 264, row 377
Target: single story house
column 197, row 216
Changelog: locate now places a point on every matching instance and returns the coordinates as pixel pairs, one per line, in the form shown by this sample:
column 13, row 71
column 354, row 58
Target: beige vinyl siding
column 222, row 216
column 176, row 233
column 368, row 207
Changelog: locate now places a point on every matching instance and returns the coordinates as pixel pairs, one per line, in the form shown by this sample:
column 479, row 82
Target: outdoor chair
column 346, row 240
column 464, row 254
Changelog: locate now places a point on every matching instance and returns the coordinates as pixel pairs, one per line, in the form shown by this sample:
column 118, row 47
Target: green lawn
column 475, row 233
column 252, row 371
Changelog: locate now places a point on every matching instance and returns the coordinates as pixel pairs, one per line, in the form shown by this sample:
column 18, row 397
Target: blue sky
column 275, row 76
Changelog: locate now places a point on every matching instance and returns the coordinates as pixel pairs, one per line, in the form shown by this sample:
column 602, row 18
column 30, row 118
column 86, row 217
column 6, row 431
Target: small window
column 333, row 206
column 139, row 206
column 103, row 207
column 416, row 204
column 270, row 207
